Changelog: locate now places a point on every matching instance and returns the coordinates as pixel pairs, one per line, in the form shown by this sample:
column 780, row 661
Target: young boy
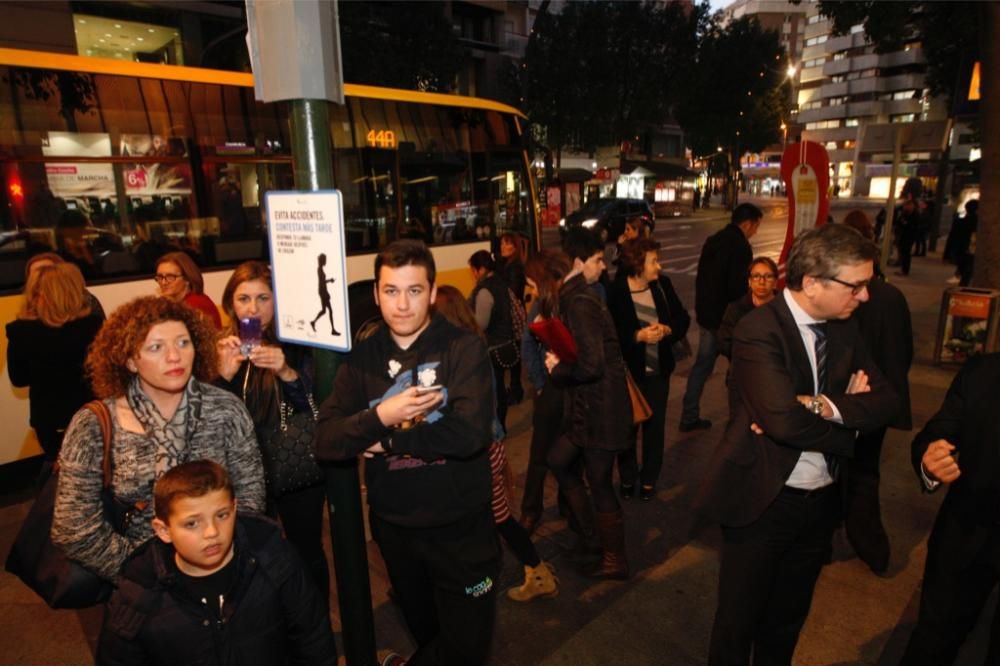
column 213, row 588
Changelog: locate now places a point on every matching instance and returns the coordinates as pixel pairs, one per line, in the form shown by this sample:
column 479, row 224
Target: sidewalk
column 663, row 614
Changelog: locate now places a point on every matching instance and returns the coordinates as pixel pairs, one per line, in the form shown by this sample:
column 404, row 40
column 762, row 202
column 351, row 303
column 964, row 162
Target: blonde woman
column 46, row 347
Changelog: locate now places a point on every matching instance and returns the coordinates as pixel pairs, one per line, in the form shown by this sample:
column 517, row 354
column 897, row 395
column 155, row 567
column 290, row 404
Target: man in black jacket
column 802, row 384
column 416, row 399
column 722, row 278
column 213, row 589
column 963, row 552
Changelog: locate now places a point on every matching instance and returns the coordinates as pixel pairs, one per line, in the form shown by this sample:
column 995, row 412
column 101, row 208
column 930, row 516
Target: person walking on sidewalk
column 416, row 399
column 722, row 278
column 906, row 223
column 803, row 383
column 598, row 406
column 649, row 318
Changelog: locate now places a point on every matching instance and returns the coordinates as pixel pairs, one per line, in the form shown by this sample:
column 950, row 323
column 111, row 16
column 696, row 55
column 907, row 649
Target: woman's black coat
column 669, row 311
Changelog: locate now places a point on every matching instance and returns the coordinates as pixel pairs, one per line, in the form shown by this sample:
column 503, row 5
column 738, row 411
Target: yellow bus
column 111, row 164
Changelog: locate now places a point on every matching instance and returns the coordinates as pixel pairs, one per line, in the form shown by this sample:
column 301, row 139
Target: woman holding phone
column 263, row 372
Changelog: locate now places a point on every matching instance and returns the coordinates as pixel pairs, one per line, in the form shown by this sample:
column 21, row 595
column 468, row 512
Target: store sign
column 309, row 269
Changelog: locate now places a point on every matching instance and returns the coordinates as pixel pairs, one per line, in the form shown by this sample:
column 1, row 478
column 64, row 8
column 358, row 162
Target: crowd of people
column 210, row 558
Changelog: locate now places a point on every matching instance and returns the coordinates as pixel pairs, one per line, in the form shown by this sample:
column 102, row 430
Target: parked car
column 607, row 217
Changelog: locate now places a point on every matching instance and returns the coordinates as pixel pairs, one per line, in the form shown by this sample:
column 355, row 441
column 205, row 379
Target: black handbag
column 42, row 565
column 289, row 451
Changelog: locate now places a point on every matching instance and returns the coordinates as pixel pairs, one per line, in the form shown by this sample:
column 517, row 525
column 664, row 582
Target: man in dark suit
column 963, row 552
column 802, row 384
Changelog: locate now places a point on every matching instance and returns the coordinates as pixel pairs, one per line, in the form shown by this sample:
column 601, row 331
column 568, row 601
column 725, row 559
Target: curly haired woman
column 149, row 365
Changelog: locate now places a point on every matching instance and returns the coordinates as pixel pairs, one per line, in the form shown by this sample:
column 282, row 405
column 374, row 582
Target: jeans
column 701, row 370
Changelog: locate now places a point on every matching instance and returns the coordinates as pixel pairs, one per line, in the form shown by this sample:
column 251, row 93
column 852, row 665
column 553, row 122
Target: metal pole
column 313, row 168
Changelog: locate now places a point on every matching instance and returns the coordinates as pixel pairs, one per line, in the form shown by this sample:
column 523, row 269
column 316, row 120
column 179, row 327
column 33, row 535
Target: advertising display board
column 805, row 168
column 967, row 324
column 306, row 234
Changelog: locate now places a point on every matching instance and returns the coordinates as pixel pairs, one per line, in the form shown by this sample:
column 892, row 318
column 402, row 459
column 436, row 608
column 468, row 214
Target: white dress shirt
column 810, row 471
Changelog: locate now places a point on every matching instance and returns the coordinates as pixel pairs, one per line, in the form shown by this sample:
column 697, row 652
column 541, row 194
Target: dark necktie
column 819, row 331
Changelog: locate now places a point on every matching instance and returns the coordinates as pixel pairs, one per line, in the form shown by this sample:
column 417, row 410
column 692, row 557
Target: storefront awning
column 659, row 170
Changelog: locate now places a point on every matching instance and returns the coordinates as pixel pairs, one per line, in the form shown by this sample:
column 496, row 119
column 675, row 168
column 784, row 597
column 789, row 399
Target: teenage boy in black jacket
column 213, row 589
column 416, row 399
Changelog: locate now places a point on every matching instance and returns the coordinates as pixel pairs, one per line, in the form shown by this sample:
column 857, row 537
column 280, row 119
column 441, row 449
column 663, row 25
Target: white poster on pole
column 306, row 233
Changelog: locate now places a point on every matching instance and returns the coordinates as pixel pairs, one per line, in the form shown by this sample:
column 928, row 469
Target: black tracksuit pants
column 445, row 582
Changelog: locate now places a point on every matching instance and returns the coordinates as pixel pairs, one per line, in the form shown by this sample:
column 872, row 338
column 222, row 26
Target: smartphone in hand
column 250, row 334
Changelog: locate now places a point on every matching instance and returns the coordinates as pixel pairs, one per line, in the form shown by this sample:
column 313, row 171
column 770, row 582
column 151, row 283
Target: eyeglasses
column 762, row 277
column 856, row 288
column 166, row 278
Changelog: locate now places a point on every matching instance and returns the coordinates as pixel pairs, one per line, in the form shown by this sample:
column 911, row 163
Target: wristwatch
column 816, row 405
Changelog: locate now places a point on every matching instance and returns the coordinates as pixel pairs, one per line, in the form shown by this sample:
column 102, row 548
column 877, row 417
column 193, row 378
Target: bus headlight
column 589, row 224
column 562, row 222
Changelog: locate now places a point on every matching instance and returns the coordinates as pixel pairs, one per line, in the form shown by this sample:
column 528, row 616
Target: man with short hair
column 721, row 279
column 802, row 385
column 416, row 399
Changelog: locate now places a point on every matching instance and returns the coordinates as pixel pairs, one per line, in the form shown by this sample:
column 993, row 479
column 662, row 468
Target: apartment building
column 843, row 86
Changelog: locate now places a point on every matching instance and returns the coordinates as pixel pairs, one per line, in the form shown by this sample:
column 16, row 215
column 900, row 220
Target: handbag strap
column 103, row 415
column 100, row 410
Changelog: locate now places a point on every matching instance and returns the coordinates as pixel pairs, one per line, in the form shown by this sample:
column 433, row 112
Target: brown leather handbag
column 641, row 411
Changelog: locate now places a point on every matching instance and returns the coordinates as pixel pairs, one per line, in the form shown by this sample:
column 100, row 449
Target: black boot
column 534, row 493
column 582, row 513
column 611, row 531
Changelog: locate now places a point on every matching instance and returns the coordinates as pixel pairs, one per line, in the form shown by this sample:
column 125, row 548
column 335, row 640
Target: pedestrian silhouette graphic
column 324, row 295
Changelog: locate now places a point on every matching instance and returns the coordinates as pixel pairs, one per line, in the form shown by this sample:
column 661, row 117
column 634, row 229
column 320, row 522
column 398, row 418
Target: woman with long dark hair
column 264, row 376
column 544, row 273
column 510, row 265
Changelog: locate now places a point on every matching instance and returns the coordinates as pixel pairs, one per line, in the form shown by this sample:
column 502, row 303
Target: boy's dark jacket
column 434, row 473
column 273, row 615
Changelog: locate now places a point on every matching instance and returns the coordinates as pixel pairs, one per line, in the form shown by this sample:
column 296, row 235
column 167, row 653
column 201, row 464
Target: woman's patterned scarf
column 169, row 437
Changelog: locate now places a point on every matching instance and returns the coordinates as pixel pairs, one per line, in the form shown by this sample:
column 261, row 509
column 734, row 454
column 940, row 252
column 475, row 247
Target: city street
column 663, row 614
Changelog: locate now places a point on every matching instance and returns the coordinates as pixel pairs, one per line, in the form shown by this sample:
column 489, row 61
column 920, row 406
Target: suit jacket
column 968, row 420
column 770, row 367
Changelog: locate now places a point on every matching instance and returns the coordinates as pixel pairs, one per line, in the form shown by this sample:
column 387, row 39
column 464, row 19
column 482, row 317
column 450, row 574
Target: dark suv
column 607, row 217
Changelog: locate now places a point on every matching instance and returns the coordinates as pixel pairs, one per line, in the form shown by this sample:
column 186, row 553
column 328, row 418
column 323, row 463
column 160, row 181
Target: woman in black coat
column 649, row 318
column 598, row 400
column 46, row 347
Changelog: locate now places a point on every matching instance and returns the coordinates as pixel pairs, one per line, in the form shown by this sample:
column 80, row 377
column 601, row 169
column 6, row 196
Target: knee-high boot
column 532, row 503
column 611, row 532
column 582, row 512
